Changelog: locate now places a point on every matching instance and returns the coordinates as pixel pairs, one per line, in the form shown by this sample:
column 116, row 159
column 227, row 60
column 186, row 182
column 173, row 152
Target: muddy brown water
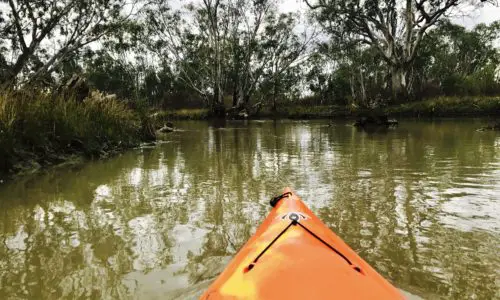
column 420, row 202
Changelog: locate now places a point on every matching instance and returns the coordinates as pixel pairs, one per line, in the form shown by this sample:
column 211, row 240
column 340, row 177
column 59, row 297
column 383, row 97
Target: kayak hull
column 293, row 255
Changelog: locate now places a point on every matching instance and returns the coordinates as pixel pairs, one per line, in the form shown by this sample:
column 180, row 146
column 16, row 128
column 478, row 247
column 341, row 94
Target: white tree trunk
column 362, row 87
column 399, row 85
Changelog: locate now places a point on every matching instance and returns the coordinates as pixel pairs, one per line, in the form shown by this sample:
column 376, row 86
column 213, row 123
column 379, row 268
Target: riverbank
column 39, row 130
column 436, row 107
column 290, row 112
column 473, row 106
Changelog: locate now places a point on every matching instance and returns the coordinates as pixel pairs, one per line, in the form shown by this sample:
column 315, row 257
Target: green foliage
column 111, row 75
column 43, row 34
column 312, row 112
column 328, row 87
column 181, row 114
column 40, row 126
column 449, row 107
column 216, row 49
column 451, row 61
column 238, row 53
column 460, row 61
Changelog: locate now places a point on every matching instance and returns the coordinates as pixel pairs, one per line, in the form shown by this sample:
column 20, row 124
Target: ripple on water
column 420, row 203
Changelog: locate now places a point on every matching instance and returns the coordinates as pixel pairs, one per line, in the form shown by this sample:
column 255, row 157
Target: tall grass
column 39, row 126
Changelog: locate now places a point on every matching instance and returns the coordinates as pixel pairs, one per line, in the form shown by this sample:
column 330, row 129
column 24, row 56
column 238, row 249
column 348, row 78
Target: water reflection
column 419, row 202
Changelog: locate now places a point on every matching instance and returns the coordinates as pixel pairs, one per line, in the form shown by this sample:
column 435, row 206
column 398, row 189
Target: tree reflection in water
column 418, row 202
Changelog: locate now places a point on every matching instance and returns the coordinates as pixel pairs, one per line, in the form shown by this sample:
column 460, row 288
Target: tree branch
column 17, row 24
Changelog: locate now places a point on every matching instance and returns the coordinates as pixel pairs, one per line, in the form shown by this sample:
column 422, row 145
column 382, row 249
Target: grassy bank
column 306, row 112
column 37, row 129
column 183, row 114
column 436, row 107
column 448, row 107
column 291, row 112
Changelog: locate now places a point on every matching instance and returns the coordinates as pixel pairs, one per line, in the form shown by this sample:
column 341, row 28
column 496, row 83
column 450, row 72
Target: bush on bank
column 477, row 106
column 449, row 107
column 182, row 114
column 38, row 127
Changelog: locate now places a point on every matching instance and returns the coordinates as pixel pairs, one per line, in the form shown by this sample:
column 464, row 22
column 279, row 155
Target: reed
column 39, row 126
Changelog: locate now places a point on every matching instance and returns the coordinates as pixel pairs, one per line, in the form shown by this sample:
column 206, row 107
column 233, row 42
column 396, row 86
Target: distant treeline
column 236, row 53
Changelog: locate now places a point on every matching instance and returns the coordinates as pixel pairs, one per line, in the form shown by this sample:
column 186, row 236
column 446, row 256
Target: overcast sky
column 486, row 14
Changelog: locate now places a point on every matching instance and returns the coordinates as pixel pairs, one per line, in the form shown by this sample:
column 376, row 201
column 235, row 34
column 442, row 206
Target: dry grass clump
column 39, row 126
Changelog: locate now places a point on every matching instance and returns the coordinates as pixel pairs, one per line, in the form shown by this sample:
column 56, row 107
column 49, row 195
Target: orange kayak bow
column 293, row 255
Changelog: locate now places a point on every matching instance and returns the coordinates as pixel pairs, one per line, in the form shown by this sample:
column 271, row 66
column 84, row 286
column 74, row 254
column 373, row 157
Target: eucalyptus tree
column 211, row 45
column 459, row 60
column 394, row 28
column 105, row 73
column 42, row 34
column 119, row 63
column 283, row 50
column 463, row 52
column 246, row 38
column 212, row 17
column 224, row 48
column 192, row 39
column 353, row 76
column 171, row 34
column 271, row 51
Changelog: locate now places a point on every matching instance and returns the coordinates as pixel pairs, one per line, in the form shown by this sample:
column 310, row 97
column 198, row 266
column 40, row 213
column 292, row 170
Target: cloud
column 486, row 14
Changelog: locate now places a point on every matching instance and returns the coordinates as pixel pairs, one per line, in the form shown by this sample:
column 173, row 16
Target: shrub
column 39, row 125
column 449, row 106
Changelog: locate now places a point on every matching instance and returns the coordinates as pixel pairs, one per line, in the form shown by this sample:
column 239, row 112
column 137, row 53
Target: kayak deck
column 293, row 255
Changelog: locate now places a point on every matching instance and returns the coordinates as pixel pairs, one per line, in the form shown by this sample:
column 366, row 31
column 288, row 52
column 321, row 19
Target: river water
column 420, row 202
